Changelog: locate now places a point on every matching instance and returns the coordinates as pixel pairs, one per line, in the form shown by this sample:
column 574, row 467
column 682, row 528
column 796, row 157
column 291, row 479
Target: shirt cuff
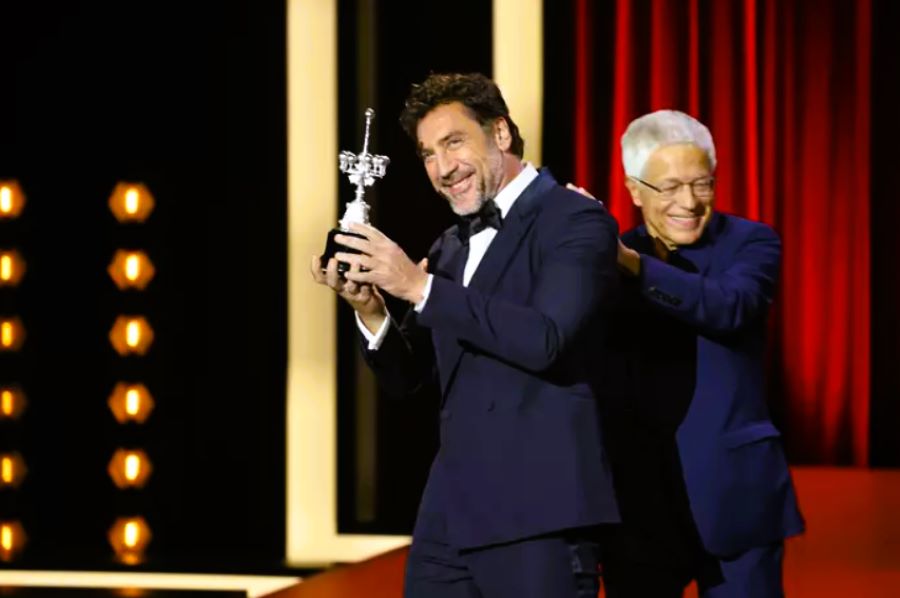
column 376, row 339
column 425, row 292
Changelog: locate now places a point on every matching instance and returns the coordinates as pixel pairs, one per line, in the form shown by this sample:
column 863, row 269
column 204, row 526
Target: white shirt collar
column 511, row 192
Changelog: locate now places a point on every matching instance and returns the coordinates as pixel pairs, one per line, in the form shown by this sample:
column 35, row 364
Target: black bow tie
column 472, row 224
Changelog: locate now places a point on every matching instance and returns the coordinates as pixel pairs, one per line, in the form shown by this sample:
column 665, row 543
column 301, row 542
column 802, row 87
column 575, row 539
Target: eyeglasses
column 701, row 188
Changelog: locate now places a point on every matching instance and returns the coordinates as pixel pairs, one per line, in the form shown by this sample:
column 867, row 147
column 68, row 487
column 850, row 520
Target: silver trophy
column 362, row 169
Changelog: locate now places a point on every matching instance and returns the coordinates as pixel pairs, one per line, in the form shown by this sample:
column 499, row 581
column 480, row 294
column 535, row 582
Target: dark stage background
column 190, row 99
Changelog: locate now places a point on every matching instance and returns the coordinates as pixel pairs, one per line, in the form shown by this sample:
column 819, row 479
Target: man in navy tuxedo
column 509, row 311
column 699, row 469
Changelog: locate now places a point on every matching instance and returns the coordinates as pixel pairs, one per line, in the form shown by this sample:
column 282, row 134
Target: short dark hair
column 475, row 91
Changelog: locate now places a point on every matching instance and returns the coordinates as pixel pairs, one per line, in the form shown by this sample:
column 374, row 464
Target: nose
column 446, row 164
column 686, row 198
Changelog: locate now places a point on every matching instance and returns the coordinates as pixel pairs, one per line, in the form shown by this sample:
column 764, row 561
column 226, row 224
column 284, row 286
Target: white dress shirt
column 478, row 246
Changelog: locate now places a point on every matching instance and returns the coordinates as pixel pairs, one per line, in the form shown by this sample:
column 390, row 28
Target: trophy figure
column 362, row 169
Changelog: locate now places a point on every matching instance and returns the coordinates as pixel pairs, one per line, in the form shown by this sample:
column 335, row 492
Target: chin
column 683, row 238
column 465, row 206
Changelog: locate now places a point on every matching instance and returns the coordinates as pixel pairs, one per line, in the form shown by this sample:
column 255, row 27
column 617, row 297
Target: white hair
column 664, row 127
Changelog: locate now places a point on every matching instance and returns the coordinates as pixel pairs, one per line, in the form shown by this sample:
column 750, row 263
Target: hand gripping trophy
column 362, row 169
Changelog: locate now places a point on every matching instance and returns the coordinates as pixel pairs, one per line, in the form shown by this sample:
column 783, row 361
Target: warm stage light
column 12, row 402
column 129, row 537
column 12, row 268
column 131, row 402
column 131, row 269
column 12, row 334
column 12, row 470
column 131, row 334
column 131, row 202
column 12, row 200
column 130, row 468
column 12, row 540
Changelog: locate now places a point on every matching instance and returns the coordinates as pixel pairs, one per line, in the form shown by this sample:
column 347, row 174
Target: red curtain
column 784, row 88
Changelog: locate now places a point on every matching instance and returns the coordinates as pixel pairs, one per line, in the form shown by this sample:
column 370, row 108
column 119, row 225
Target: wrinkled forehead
column 444, row 120
column 677, row 160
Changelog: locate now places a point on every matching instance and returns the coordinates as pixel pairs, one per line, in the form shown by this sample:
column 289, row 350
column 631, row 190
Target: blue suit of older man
column 699, row 467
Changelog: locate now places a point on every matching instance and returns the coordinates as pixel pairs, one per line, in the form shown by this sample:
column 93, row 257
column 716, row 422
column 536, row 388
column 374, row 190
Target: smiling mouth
column 460, row 185
column 685, row 222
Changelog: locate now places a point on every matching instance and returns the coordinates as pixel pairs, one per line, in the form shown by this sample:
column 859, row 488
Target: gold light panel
column 12, row 334
column 12, row 200
column 131, row 202
column 130, row 468
column 12, row 268
column 12, row 402
column 12, row 540
column 131, row 335
column 131, row 403
column 129, row 537
column 131, row 270
column 12, row 470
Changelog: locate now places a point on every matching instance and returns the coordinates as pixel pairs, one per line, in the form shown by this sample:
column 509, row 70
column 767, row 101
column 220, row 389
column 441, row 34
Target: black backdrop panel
column 885, row 413
column 188, row 98
column 384, row 47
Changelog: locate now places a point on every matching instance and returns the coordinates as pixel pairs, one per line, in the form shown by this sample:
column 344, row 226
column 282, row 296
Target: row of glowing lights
column 128, row 269
column 128, row 468
column 129, row 335
column 129, row 202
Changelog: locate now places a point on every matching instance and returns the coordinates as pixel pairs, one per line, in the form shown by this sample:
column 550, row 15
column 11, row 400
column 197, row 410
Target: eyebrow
column 442, row 141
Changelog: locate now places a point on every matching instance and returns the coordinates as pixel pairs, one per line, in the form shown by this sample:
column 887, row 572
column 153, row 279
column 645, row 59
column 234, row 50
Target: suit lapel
column 515, row 226
column 495, row 261
column 450, row 264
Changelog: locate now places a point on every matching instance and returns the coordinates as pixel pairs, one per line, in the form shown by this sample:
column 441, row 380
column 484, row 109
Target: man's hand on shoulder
column 583, row 191
column 629, row 260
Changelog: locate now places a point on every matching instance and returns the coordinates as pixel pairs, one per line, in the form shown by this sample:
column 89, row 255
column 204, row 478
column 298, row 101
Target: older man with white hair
column 700, row 472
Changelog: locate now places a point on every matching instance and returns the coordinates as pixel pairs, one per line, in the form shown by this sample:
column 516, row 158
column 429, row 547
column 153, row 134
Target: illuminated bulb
column 133, row 333
column 131, row 534
column 5, row 199
column 132, row 402
column 132, row 267
column 6, row 537
column 6, row 470
column 132, row 201
column 6, row 267
column 7, row 334
column 7, row 402
column 132, row 467
column 12, row 540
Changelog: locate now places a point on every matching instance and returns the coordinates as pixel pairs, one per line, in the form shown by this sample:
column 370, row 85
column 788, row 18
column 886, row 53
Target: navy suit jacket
column 521, row 452
column 702, row 366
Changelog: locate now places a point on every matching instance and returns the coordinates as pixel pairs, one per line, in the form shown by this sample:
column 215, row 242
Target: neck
column 512, row 166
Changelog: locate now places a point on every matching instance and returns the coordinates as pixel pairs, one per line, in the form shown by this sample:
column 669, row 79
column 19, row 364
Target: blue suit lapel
column 515, row 226
column 495, row 261
column 450, row 265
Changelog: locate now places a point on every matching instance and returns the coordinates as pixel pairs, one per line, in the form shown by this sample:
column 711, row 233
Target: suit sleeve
column 577, row 276
column 405, row 359
column 722, row 303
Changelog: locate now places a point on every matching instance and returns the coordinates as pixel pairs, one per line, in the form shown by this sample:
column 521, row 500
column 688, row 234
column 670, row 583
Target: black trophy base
column 332, row 247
